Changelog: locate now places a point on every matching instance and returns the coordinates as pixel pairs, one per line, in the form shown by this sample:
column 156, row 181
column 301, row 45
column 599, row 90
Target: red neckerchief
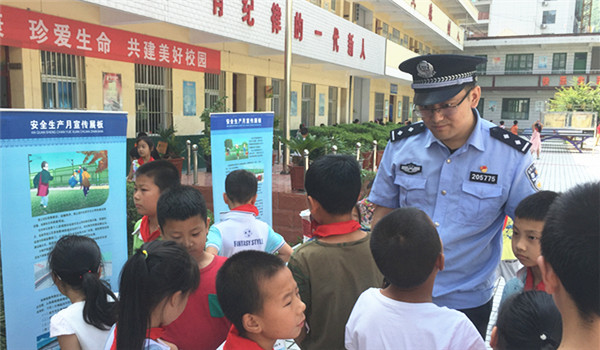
column 141, row 160
column 145, row 230
column 337, row 228
column 154, row 334
column 235, row 342
column 249, row 208
column 529, row 282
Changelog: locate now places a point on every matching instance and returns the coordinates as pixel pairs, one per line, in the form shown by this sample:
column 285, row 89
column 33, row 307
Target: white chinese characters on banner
column 71, row 124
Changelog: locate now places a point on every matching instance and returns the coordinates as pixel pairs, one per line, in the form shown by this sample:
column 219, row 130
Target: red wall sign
column 34, row 30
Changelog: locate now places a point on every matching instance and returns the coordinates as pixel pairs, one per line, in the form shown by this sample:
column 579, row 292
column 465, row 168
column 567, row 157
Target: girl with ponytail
column 154, row 288
column 75, row 264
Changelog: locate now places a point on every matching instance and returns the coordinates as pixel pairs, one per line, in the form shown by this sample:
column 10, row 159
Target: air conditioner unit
column 543, row 26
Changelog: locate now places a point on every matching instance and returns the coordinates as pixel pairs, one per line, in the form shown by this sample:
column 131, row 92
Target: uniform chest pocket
column 411, row 191
column 480, row 202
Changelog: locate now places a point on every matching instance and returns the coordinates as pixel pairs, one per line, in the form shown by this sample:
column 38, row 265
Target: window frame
column 514, row 63
column 63, row 80
column 515, row 108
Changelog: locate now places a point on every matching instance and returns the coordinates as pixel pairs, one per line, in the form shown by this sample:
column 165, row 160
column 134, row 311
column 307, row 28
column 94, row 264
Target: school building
column 164, row 61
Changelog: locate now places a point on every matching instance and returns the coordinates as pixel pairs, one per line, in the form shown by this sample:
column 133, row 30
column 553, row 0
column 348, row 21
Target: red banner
column 34, row 30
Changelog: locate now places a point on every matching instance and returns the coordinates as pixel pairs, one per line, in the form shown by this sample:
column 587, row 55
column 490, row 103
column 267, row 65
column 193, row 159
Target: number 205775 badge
column 484, row 178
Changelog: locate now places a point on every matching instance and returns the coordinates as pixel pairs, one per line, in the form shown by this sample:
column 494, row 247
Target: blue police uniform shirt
column 466, row 194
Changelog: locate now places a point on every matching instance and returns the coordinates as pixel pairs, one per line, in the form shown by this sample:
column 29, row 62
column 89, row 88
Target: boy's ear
column 253, row 200
column 225, row 198
column 441, row 262
column 494, row 337
column 251, row 323
column 313, row 204
column 550, row 278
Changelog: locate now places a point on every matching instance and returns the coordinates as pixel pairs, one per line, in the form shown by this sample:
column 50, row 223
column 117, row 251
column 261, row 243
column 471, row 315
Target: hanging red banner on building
column 34, row 30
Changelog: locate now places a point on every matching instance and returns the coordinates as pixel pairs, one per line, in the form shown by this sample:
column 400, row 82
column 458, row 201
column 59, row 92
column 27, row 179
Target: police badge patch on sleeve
column 533, row 176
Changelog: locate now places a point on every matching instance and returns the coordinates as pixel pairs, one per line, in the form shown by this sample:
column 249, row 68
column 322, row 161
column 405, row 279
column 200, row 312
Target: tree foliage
column 579, row 97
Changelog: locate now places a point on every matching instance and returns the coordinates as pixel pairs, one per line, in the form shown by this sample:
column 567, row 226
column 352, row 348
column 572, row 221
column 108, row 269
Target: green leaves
column 579, row 97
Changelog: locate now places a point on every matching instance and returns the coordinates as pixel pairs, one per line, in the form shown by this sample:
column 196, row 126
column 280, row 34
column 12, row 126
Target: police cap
column 438, row 78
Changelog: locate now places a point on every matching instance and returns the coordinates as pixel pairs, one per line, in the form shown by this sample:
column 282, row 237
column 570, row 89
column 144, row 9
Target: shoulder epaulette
column 514, row 141
column 407, row 131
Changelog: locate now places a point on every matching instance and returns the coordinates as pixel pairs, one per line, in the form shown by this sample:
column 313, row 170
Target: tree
column 579, row 97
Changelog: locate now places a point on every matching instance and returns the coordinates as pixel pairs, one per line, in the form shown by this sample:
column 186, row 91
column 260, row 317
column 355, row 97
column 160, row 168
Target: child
column 408, row 251
column 145, row 148
column 243, row 231
column 42, row 182
column 336, row 267
column 528, row 320
column 515, row 128
column 182, row 217
column 155, row 285
column 570, row 264
column 260, row 297
column 536, row 138
column 85, row 181
column 152, row 179
column 75, row 264
column 527, row 231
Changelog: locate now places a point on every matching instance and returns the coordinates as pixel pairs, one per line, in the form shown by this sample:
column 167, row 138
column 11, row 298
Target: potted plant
column 297, row 146
column 169, row 148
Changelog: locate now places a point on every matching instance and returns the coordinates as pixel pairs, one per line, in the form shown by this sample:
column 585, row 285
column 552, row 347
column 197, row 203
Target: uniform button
column 443, row 192
column 448, row 160
column 437, row 224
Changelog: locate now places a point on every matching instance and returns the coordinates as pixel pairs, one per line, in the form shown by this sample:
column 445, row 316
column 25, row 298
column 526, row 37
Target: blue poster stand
column 33, row 216
column 243, row 141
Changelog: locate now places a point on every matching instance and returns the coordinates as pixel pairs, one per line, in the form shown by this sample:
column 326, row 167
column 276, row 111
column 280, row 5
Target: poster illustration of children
column 85, row 181
column 42, row 182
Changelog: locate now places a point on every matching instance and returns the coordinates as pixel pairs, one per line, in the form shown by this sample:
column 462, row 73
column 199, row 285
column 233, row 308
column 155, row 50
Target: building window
column 308, row 104
column 579, row 62
column 63, row 81
column 333, row 101
column 559, row 63
column 519, row 64
column 385, row 30
column 379, row 106
column 427, row 50
column 549, row 17
column 481, row 68
column 333, row 5
column 276, row 105
column 405, row 40
column 396, row 36
column 214, row 88
column 153, row 98
column 515, row 108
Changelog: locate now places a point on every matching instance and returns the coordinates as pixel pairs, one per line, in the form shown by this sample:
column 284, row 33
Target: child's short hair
column 44, row 163
column 239, row 284
column 334, row 181
column 529, row 320
column 240, row 185
column 405, row 246
column 163, row 172
column 570, row 242
column 180, row 203
column 535, row 207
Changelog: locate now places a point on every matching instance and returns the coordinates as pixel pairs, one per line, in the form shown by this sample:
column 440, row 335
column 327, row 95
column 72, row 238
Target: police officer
column 463, row 171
